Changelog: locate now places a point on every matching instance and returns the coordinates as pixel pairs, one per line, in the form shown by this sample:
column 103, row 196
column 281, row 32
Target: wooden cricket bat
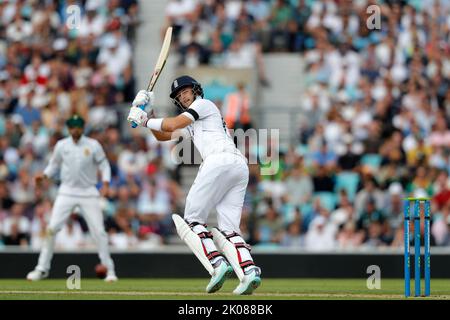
column 160, row 63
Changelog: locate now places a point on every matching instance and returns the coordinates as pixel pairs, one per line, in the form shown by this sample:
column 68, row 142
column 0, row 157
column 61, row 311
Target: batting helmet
column 183, row 82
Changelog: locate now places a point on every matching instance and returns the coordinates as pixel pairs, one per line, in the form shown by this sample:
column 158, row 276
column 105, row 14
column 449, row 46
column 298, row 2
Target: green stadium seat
column 372, row 160
column 327, row 199
column 348, row 181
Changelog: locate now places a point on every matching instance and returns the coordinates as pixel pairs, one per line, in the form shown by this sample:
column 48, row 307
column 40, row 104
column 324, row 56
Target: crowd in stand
column 374, row 124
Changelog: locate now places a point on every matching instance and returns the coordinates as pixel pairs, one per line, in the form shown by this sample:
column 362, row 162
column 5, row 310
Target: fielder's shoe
column 37, row 275
column 111, row 277
column 251, row 281
column 221, row 273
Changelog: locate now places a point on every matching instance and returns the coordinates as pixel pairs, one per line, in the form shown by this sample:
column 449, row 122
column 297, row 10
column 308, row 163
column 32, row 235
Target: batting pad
column 229, row 250
column 193, row 241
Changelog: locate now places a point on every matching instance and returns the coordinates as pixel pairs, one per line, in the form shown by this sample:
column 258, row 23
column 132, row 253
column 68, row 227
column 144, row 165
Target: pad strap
column 238, row 245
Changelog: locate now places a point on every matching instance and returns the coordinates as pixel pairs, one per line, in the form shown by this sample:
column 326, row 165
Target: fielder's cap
column 75, row 121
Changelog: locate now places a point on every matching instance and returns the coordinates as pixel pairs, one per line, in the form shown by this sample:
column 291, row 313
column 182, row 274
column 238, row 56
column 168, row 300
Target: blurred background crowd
column 373, row 122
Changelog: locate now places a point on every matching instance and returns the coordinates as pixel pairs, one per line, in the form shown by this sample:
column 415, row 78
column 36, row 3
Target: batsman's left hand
column 143, row 99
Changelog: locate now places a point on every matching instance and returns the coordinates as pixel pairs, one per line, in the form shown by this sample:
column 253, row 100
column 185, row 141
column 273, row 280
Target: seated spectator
column 369, row 215
column 442, row 190
column 115, row 55
column 153, row 203
column 324, row 157
column 293, row 238
column 323, row 180
column 371, row 191
column 16, row 227
column 299, row 186
column 92, row 23
column 345, row 211
column 440, row 228
column 321, row 235
column 39, row 223
column 6, row 202
column 281, row 14
column 348, row 237
column 269, row 228
column 71, row 236
column 350, row 157
column 123, row 240
column 246, row 53
column 440, row 136
column 375, row 236
column 22, row 190
column 394, row 206
column 421, row 180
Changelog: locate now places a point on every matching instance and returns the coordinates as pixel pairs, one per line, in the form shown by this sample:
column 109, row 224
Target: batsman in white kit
column 77, row 158
column 221, row 183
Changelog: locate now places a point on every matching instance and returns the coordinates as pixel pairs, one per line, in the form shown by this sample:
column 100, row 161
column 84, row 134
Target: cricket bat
column 159, row 64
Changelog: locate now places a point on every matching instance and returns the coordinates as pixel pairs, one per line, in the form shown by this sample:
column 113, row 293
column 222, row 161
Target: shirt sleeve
column 54, row 165
column 200, row 109
column 103, row 163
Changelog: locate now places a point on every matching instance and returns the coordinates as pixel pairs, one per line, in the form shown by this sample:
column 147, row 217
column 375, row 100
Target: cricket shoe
column 37, row 275
column 221, row 273
column 111, row 277
column 251, row 281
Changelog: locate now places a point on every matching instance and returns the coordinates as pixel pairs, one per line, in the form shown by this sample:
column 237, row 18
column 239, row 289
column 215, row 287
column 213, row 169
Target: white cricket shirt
column 78, row 164
column 208, row 131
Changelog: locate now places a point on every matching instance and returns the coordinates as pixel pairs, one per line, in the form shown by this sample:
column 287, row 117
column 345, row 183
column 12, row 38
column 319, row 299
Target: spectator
column 442, row 191
column 299, row 186
column 370, row 215
column 369, row 191
column 440, row 227
column 348, row 237
column 321, row 235
column 71, row 236
column 16, row 227
column 237, row 109
column 323, row 181
column 269, row 230
column 293, row 237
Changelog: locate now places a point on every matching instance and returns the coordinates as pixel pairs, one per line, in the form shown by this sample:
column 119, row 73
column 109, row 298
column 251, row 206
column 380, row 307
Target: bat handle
column 134, row 124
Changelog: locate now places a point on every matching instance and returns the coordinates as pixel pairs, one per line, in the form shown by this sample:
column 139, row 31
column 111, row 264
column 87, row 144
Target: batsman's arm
column 161, row 135
column 169, row 125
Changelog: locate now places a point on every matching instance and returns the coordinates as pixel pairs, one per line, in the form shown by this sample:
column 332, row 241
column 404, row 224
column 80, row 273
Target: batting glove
column 137, row 116
column 143, row 99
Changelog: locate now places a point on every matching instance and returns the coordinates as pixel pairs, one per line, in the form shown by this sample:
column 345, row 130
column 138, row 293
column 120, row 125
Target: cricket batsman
column 77, row 158
column 220, row 183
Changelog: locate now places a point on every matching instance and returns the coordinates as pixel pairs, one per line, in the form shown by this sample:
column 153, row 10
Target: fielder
column 77, row 158
column 220, row 183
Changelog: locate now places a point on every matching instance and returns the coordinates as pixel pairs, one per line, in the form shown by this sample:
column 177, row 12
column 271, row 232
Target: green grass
column 186, row 289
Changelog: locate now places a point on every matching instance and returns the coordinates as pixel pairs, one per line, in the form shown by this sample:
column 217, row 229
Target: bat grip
column 134, row 124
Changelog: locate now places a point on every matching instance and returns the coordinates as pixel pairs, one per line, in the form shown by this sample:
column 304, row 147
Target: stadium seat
column 327, row 199
column 348, row 181
column 372, row 160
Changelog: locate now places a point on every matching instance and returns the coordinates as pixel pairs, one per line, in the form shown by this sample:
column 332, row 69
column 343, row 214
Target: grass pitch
column 194, row 289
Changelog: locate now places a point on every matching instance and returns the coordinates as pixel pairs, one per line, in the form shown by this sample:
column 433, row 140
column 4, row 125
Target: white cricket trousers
column 92, row 213
column 221, row 183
